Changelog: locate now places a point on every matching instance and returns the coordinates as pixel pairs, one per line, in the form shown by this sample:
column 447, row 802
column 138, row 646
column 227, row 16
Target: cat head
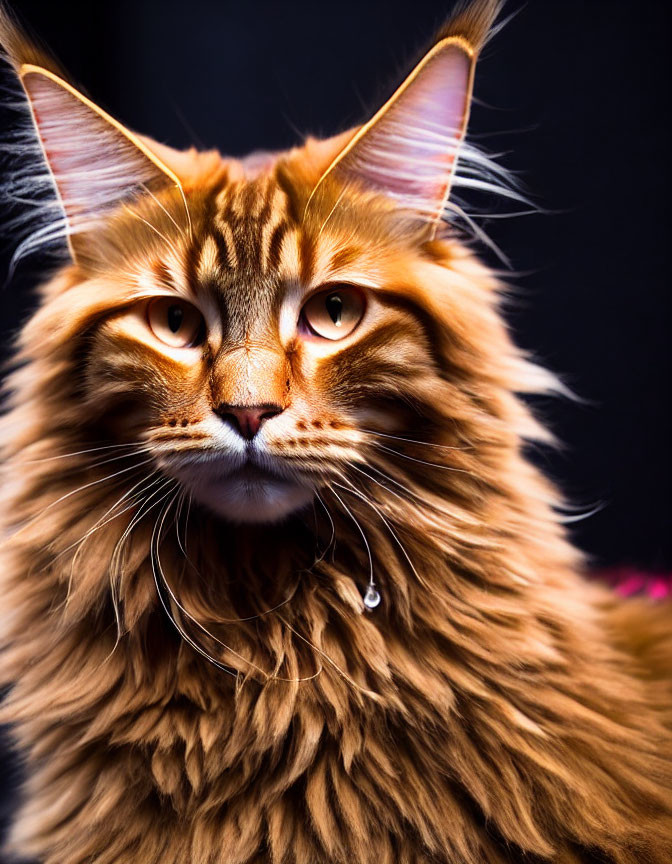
column 264, row 327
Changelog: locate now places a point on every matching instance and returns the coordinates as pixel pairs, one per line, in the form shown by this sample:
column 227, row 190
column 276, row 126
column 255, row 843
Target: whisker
column 437, row 505
column 186, row 519
column 382, row 485
column 356, row 492
column 361, row 531
column 331, row 212
column 186, row 210
column 79, row 453
column 100, row 523
column 414, row 441
column 424, row 462
column 159, row 576
column 410, row 492
column 76, row 491
column 115, row 561
column 178, row 513
column 155, row 230
column 165, row 210
column 180, row 501
column 331, row 662
column 333, row 529
column 118, row 551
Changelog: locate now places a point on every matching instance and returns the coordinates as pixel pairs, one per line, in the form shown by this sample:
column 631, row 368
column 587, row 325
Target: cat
column 279, row 585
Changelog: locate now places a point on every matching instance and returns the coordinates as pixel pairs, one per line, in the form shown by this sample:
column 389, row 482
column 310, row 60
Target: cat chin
column 259, row 502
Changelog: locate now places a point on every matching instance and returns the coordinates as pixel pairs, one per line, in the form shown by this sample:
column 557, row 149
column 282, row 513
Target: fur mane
column 475, row 663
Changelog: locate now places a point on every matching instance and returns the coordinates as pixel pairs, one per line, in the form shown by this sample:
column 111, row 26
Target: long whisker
column 386, row 488
column 180, row 501
column 165, row 210
column 331, row 212
column 76, row 491
column 331, row 662
column 333, row 529
column 393, row 533
column 413, row 441
column 432, row 505
column 156, row 231
column 186, row 518
column 390, row 479
column 186, row 210
column 115, row 561
column 178, row 513
column 424, row 462
column 118, row 550
column 361, row 531
column 101, row 524
column 159, row 576
column 80, row 453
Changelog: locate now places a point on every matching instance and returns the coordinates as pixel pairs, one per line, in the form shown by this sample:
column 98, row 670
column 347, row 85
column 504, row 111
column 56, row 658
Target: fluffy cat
column 278, row 583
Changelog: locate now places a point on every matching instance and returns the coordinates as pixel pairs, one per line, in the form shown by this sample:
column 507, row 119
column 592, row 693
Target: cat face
column 261, row 349
column 257, row 327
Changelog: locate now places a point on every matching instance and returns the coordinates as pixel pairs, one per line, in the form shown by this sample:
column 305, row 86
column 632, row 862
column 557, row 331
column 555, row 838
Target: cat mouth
column 253, row 475
column 245, row 492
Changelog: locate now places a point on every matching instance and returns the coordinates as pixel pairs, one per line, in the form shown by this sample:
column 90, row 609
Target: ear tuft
column 18, row 49
column 473, row 22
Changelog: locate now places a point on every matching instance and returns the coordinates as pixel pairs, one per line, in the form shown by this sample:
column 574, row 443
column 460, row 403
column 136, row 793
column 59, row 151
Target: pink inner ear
column 93, row 163
column 410, row 149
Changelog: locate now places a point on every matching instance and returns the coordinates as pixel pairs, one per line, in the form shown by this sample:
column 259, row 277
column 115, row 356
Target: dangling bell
column 371, row 598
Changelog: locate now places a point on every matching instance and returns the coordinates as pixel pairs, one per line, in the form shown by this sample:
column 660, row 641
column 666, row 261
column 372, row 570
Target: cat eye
column 334, row 313
column 175, row 322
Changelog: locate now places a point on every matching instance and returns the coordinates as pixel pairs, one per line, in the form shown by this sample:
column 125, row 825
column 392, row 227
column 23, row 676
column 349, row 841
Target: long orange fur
column 495, row 708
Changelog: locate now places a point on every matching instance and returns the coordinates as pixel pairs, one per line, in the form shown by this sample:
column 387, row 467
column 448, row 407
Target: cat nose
column 247, row 419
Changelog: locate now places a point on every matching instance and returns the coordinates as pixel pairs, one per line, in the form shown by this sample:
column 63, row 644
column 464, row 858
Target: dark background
column 574, row 90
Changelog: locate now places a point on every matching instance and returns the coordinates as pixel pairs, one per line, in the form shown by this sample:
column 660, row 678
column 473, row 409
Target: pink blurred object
column 629, row 581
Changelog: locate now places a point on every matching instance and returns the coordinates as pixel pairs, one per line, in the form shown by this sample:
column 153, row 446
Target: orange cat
column 277, row 582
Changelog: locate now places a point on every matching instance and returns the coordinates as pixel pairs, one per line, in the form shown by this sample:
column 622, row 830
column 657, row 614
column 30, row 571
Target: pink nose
column 247, row 419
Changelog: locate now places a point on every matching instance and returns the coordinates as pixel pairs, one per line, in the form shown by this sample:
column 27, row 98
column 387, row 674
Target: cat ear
column 408, row 150
column 96, row 163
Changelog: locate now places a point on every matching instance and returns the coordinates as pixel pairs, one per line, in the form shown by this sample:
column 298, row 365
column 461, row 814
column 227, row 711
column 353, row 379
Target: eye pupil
column 332, row 313
column 175, row 318
column 334, row 304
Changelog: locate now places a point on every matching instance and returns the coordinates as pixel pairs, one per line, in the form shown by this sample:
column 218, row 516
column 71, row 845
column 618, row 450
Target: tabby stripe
column 161, row 273
column 306, row 252
column 431, row 327
column 273, row 248
column 380, row 339
column 289, row 252
column 226, row 236
column 191, row 259
column 344, row 258
column 251, row 220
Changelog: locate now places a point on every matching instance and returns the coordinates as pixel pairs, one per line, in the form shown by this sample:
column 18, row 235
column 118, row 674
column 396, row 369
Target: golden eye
column 175, row 322
column 334, row 313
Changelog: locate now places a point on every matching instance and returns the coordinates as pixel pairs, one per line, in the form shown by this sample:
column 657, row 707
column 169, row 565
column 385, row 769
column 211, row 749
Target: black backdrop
column 572, row 89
